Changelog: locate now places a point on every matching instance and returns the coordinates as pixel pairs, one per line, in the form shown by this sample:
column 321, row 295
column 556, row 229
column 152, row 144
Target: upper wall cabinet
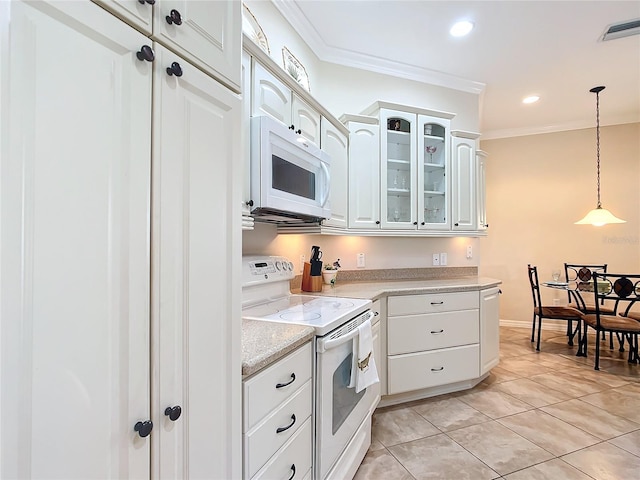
column 414, row 167
column 481, row 163
column 364, row 174
column 464, row 181
column 208, row 34
column 272, row 97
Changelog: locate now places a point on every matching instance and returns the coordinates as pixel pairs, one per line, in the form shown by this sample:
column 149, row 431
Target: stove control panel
column 265, row 269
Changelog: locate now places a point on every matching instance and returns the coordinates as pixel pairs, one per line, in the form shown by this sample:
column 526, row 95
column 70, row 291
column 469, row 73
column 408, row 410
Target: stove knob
column 278, row 265
column 291, row 266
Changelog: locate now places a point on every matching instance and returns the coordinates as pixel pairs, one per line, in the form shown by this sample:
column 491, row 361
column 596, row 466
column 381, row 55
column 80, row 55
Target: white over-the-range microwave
column 290, row 177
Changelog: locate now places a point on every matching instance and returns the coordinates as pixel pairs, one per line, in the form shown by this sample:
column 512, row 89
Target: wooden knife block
column 309, row 283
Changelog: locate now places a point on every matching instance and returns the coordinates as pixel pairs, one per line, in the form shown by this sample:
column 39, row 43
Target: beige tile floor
column 539, row 415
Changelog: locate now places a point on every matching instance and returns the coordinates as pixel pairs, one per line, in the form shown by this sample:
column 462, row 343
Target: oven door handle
column 341, row 340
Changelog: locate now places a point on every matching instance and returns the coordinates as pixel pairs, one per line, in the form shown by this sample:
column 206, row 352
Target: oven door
column 339, row 409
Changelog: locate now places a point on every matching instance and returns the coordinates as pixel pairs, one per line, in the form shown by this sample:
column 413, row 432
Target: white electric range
column 341, row 417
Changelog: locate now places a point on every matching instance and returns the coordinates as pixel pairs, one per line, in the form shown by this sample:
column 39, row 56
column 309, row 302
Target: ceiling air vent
column 623, row 29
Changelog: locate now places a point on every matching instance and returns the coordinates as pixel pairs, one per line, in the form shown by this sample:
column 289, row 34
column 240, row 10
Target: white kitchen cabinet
column 277, row 418
column 245, row 135
column 464, row 181
column 414, row 167
column 111, row 335
column 432, row 340
column 380, row 342
column 270, row 96
column 336, row 145
column 196, row 260
column 207, row 33
column 364, row 172
column 489, row 329
column 481, row 174
column 76, row 150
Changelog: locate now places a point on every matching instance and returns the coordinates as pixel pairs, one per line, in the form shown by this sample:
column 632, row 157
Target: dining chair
column 550, row 312
column 624, row 290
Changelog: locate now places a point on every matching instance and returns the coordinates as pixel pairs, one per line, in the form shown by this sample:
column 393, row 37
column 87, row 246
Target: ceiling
column 517, row 48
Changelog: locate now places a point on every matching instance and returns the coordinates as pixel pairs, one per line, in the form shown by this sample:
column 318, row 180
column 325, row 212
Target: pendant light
column 598, row 216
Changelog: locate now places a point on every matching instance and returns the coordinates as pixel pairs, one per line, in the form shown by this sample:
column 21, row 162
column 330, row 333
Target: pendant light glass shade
column 598, row 216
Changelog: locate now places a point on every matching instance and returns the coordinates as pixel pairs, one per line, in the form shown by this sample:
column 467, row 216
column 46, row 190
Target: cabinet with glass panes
column 414, row 165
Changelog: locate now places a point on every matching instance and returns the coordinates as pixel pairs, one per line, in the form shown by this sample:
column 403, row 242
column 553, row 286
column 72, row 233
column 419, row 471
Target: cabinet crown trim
column 465, row 134
column 376, row 106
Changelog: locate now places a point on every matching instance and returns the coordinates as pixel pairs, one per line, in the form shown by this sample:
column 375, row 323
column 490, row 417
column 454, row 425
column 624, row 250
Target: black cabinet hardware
column 293, row 421
column 174, row 17
column 146, row 53
column 174, row 69
column 293, row 379
column 143, row 428
column 173, row 412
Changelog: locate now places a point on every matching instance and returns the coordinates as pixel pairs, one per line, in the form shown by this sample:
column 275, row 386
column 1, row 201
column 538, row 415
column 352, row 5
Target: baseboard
column 559, row 326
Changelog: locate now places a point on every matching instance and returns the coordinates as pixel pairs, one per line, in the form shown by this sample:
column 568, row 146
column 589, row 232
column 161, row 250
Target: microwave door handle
column 328, row 183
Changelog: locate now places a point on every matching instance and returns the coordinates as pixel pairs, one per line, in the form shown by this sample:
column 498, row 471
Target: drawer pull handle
column 437, row 303
column 436, row 332
column 293, row 468
column 293, row 421
column 437, row 369
column 293, row 379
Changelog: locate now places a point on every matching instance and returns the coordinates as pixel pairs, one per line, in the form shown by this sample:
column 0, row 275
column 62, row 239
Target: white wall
column 380, row 252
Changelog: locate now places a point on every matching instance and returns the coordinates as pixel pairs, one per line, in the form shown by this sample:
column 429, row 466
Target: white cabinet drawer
column 415, row 371
column 265, row 391
column 296, row 453
column 277, row 428
column 432, row 302
column 414, row 333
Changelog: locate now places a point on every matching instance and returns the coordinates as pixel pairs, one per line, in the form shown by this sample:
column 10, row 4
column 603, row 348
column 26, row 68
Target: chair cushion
column 634, row 315
column 591, row 308
column 611, row 322
column 561, row 312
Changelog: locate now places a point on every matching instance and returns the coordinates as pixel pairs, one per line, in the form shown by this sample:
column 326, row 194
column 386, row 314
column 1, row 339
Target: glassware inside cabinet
column 398, row 171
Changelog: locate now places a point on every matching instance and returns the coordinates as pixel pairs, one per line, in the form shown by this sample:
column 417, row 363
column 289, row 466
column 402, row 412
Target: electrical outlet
column 436, row 259
column 360, row 260
column 303, row 259
column 469, row 251
column 443, row 259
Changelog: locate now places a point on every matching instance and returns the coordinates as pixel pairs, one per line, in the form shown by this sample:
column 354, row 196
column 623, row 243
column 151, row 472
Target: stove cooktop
column 322, row 313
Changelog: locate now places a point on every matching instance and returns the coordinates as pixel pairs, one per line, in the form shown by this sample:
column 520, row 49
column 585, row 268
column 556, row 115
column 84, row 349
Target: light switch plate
column 443, row 259
column 469, row 251
column 436, row 259
column 360, row 260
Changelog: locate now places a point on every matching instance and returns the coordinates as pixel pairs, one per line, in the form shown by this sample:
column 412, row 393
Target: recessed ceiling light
column 460, row 29
column 531, row 99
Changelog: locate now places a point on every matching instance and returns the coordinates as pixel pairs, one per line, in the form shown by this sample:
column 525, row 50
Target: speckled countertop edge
column 265, row 342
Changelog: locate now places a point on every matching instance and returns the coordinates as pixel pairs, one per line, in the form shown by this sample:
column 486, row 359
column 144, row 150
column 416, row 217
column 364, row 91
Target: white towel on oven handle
column 363, row 365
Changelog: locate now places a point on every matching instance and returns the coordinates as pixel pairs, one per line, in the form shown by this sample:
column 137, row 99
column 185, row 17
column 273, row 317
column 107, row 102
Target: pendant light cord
column 598, row 144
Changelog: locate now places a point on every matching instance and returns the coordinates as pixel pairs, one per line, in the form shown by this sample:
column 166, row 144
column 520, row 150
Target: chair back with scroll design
column 579, row 278
column 624, row 291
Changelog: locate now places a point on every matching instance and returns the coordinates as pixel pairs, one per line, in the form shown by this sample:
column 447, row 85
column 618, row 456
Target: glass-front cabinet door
column 398, row 169
column 433, row 173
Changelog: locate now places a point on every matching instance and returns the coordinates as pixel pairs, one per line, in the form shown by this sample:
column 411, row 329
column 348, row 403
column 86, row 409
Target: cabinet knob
column 293, row 471
column 422, row 223
column 415, row 223
column 377, row 222
column 486, row 225
column 150, row 2
column 143, row 428
column 298, row 131
column 174, row 17
column 292, row 127
column 249, row 203
column 456, row 224
column 173, row 412
column 146, row 53
column 174, row 69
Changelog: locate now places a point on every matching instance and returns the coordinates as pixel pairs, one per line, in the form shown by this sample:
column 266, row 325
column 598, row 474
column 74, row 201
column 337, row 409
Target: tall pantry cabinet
column 119, row 331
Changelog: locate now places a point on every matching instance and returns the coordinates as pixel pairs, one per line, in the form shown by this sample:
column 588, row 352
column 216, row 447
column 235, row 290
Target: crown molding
column 292, row 14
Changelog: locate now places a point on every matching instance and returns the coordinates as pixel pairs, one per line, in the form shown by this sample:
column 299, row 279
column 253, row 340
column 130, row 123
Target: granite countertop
column 265, row 342
column 381, row 288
